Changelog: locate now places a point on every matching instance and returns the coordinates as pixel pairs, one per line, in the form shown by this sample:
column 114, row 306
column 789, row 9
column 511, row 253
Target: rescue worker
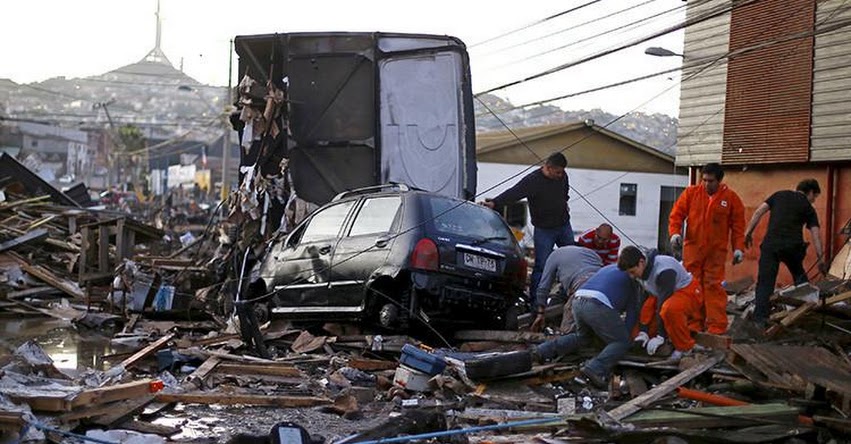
column 674, row 305
column 597, row 309
column 714, row 216
column 783, row 242
column 572, row 265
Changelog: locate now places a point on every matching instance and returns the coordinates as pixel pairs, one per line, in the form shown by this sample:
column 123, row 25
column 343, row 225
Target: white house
column 613, row 179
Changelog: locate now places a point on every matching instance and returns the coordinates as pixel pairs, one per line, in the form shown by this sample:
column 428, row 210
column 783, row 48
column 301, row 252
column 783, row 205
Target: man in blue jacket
column 597, row 310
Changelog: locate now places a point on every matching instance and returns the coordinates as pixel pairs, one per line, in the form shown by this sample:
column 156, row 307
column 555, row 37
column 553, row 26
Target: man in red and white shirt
column 603, row 241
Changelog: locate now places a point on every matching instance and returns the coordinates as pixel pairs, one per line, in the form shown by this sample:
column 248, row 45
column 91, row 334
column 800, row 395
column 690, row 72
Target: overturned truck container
column 338, row 111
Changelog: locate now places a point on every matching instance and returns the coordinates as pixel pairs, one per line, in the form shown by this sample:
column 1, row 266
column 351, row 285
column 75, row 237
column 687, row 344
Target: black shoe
column 595, row 379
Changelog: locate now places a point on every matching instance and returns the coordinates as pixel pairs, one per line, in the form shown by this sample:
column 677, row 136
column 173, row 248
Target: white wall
column 602, row 189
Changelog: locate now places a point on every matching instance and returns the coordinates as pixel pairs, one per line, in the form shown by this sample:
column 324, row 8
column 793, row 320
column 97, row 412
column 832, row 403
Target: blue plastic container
column 422, row 360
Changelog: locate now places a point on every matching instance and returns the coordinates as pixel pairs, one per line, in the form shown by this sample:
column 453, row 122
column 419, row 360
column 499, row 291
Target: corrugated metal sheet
column 831, row 109
column 767, row 116
column 702, row 98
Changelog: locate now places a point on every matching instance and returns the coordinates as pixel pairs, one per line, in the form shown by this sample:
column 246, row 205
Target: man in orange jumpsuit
column 672, row 311
column 713, row 215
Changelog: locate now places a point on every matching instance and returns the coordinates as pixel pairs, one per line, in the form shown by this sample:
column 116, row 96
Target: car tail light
column 425, row 255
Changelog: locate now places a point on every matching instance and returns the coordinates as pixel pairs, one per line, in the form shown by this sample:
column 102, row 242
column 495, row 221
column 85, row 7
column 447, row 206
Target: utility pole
column 227, row 130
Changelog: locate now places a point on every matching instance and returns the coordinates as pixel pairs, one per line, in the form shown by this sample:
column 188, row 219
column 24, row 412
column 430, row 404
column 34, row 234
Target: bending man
column 572, row 266
column 597, row 310
column 676, row 301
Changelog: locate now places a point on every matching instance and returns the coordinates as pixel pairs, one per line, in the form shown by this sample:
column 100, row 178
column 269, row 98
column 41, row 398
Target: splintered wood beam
column 664, row 388
column 34, row 235
column 257, row 369
column 242, row 399
column 145, row 352
column 112, row 393
column 791, row 318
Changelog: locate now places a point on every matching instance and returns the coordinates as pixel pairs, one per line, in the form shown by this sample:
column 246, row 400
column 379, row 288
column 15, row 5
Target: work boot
column 596, row 380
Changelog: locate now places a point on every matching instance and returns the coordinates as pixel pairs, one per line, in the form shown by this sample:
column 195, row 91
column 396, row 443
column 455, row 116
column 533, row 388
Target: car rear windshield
column 457, row 218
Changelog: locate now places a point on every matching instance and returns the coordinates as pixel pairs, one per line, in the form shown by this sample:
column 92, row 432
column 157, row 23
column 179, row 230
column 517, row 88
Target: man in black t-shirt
column 547, row 190
column 784, row 241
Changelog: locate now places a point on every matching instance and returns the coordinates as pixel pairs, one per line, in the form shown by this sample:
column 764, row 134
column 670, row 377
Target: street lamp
column 661, row 52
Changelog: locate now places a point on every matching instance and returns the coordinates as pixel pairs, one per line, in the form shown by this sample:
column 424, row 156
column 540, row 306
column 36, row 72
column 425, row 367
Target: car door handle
column 325, row 250
column 382, row 242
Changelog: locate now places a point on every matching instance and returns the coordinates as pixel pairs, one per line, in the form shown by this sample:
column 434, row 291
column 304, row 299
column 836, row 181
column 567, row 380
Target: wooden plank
column 37, row 291
column 369, row 365
column 717, row 417
column 242, row 399
column 716, row 342
column 68, row 287
column 842, row 297
column 150, row 428
column 500, row 336
column 664, row 388
column 196, row 379
column 143, row 353
column 121, row 411
column 257, row 369
column 11, row 421
column 34, row 235
column 112, row 393
column 793, row 317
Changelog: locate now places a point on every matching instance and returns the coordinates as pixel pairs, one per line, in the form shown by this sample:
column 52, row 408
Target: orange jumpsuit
column 711, row 222
column 680, row 313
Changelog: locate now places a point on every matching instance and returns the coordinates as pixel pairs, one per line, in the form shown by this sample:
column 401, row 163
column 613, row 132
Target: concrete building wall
column 601, row 188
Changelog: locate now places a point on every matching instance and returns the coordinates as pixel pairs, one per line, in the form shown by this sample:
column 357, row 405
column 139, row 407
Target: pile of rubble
column 137, row 284
column 793, row 382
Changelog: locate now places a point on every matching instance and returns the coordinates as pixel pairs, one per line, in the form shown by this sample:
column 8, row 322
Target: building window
column 34, row 143
column 629, row 199
column 515, row 214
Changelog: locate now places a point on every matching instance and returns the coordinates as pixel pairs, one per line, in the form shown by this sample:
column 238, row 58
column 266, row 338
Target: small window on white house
column 629, row 199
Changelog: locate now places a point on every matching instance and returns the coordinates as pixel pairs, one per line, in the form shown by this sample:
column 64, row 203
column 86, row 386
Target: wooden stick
column 141, row 354
column 246, row 399
column 664, row 388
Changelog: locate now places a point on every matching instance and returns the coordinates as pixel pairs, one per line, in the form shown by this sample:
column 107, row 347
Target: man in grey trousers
column 572, row 266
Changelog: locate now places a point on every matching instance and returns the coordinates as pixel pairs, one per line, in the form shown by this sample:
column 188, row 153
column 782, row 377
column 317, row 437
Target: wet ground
column 69, row 348
column 75, row 350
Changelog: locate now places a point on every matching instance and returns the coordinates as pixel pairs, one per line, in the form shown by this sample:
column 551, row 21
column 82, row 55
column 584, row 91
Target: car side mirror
column 382, row 241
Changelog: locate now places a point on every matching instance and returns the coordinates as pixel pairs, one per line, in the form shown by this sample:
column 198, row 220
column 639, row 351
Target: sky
column 78, row 38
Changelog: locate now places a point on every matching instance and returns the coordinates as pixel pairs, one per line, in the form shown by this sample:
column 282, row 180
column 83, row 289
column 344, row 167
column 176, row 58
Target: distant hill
column 655, row 130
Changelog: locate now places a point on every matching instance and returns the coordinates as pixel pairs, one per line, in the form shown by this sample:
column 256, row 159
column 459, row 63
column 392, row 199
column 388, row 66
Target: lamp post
column 661, row 52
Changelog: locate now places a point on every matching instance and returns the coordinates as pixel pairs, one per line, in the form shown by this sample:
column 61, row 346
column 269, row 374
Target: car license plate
column 479, row 262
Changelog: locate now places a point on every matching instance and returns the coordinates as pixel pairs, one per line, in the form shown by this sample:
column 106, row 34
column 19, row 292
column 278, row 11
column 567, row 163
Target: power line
column 632, row 25
column 536, row 22
column 570, row 28
column 688, row 22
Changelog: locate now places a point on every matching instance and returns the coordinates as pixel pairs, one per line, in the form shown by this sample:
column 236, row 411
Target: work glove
column 738, row 257
column 642, row 338
column 676, row 242
column 654, row 344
